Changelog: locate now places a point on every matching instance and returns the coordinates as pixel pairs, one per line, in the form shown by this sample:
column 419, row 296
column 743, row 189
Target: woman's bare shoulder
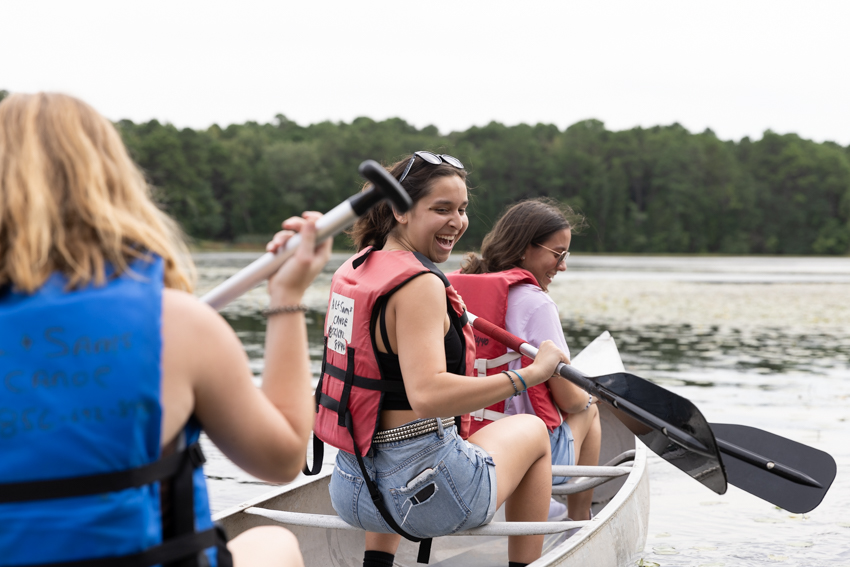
column 180, row 307
column 193, row 325
column 426, row 283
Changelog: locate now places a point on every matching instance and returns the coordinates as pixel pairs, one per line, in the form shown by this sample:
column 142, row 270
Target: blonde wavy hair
column 73, row 201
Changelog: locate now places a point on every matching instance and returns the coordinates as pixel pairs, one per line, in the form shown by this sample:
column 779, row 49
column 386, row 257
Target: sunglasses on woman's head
column 433, row 159
column 562, row 256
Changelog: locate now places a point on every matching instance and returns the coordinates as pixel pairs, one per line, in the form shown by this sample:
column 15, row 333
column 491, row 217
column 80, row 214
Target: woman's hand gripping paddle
column 384, row 186
column 673, row 428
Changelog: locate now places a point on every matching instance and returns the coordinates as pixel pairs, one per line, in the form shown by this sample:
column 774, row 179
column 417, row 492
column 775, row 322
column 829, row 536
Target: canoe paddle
column 673, row 428
column 384, row 186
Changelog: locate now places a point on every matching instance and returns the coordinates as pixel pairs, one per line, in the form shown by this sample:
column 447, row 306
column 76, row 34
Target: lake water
column 756, row 341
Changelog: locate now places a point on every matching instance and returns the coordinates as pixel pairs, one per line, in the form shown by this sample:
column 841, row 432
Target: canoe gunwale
column 634, row 494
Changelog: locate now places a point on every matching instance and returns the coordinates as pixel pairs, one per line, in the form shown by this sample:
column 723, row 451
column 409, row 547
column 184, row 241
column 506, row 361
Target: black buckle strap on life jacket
column 181, row 545
column 322, row 372
column 363, row 382
column 100, row 483
column 318, row 444
column 348, row 381
column 183, row 505
column 378, row 500
column 424, row 555
column 336, row 406
column 223, row 555
column 318, row 457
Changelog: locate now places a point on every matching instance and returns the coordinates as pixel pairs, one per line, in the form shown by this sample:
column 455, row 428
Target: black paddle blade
column 791, row 489
column 670, row 425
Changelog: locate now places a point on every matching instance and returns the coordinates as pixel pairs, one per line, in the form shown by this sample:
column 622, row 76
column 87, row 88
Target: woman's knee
column 534, row 432
column 516, row 434
column 531, row 428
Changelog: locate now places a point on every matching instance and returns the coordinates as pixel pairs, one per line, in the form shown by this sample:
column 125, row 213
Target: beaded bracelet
column 516, row 390
column 269, row 311
column 524, row 385
column 589, row 401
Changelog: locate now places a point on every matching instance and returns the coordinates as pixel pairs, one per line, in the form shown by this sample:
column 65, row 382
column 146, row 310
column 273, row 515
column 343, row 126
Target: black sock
column 516, row 564
column 378, row 559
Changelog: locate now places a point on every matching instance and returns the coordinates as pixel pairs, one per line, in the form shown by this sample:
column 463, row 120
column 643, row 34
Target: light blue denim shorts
column 432, row 485
column 563, row 449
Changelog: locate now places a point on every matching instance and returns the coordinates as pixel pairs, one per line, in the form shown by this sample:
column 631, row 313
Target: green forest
column 645, row 190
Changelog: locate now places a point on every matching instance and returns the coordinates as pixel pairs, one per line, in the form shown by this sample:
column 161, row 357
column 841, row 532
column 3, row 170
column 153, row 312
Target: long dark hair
column 528, row 222
column 373, row 228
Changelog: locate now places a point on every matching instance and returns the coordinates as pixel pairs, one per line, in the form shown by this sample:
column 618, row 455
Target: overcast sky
column 738, row 67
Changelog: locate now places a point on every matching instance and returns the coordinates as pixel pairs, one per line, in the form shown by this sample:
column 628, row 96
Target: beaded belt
column 411, row 430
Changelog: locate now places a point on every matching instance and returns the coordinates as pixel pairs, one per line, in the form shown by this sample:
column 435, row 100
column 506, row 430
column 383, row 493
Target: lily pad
column 644, row 563
column 778, row 557
column 665, row 550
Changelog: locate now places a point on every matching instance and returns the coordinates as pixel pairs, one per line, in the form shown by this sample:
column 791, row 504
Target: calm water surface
column 763, row 342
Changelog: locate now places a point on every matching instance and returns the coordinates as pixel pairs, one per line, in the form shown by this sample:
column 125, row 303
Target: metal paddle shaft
column 788, row 474
column 797, row 481
column 384, row 186
column 670, row 425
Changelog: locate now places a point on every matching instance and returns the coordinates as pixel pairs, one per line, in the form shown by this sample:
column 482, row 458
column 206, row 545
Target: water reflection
column 686, row 348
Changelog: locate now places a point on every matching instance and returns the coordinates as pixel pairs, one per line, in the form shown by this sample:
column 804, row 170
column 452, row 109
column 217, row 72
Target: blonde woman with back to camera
column 112, row 368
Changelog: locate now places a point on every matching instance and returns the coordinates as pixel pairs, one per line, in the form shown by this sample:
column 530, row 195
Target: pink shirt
column 533, row 316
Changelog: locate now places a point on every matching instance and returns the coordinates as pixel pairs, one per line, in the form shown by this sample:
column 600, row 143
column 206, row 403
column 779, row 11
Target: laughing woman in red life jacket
column 398, row 367
column 111, row 367
column 520, row 257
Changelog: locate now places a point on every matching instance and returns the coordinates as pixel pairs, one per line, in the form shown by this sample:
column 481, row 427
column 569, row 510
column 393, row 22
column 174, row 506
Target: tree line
column 657, row 190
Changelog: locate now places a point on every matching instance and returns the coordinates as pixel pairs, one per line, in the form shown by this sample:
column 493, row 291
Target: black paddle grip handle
column 384, row 186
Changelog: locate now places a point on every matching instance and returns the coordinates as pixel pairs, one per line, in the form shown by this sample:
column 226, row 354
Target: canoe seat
column 328, row 522
column 585, row 478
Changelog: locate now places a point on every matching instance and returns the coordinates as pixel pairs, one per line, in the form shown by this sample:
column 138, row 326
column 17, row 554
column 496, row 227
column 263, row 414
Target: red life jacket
column 351, row 390
column 486, row 296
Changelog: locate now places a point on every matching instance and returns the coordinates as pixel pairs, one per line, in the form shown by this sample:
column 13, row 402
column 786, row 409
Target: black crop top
column 391, row 369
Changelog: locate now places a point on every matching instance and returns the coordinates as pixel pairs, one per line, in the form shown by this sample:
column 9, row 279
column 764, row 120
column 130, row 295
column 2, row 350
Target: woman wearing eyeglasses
column 397, row 370
column 520, row 257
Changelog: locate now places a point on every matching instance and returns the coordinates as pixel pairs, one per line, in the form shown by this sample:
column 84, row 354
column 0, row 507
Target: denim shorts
column 432, row 485
column 563, row 449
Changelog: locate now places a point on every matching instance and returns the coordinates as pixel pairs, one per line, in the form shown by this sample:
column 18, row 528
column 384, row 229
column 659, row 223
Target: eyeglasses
column 433, row 159
column 562, row 256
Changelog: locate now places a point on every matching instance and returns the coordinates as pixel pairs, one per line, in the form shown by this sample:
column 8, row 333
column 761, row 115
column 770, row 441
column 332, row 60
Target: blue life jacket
column 80, row 424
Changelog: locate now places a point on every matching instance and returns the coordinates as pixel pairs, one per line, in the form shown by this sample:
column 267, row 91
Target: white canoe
column 614, row 537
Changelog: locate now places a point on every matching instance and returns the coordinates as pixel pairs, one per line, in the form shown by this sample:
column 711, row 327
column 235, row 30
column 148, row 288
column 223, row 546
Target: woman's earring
column 522, row 257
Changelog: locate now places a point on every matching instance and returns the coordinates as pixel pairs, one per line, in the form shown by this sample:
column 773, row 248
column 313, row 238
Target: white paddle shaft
column 333, row 222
